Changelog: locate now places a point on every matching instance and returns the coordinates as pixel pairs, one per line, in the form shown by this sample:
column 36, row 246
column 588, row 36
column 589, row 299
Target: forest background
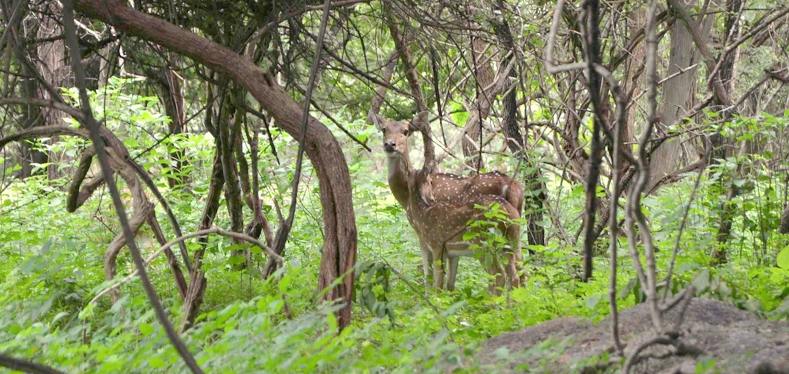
column 672, row 113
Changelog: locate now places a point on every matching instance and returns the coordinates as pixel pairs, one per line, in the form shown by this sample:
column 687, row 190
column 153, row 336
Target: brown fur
column 439, row 207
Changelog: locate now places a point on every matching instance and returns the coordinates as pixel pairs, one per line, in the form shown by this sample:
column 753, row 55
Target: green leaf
column 146, row 329
column 157, row 362
column 705, row 364
column 783, row 259
column 701, row 281
column 591, row 302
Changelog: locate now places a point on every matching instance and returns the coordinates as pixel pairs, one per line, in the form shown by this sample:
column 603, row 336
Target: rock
column 713, row 335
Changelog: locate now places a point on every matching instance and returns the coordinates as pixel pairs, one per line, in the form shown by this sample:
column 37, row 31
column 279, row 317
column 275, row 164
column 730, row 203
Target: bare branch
column 416, row 88
column 549, row 66
column 14, row 363
column 199, row 233
column 285, row 226
column 98, row 144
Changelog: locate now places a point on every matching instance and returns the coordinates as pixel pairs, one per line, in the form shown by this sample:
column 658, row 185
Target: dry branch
column 339, row 249
column 200, row 233
column 98, row 144
column 26, row 366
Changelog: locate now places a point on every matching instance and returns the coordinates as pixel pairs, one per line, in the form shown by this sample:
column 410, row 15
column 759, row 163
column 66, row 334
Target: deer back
column 446, row 187
column 444, row 221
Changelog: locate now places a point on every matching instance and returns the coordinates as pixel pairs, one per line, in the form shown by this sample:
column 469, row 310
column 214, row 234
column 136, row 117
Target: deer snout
column 389, row 145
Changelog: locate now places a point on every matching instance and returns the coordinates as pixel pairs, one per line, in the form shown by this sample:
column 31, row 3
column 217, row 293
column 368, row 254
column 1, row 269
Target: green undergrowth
column 51, row 267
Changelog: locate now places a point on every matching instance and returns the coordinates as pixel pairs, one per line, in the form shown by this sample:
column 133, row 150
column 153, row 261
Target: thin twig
column 165, row 205
column 285, row 226
column 212, row 230
column 635, row 209
column 633, row 356
column 685, row 219
column 98, row 144
column 616, row 154
column 416, row 291
column 549, row 66
column 591, row 36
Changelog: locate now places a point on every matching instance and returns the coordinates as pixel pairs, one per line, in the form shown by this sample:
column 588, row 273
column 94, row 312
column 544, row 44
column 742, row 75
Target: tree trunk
column 678, row 95
column 783, row 228
column 634, row 68
column 721, row 144
column 480, row 108
column 53, row 68
column 534, row 188
column 197, row 279
column 322, row 148
column 168, row 88
column 228, row 127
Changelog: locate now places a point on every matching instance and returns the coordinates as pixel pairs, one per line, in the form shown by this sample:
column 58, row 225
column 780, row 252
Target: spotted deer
column 440, row 206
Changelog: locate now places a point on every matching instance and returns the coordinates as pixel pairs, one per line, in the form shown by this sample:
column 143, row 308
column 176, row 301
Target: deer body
column 439, row 207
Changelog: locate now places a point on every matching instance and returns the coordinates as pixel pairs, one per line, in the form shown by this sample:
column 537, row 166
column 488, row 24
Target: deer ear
column 424, row 184
column 419, row 122
column 375, row 119
column 426, row 190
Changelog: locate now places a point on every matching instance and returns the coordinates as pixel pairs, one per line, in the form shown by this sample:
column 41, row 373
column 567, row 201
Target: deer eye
column 405, row 132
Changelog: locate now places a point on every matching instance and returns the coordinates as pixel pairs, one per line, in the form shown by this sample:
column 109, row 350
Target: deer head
column 395, row 133
column 402, row 178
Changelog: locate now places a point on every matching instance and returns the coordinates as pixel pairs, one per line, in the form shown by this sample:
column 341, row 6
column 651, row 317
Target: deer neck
column 399, row 171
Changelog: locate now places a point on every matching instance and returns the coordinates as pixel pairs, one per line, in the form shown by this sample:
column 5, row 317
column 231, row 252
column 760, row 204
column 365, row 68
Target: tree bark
column 53, row 68
column 534, row 188
column 783, row 227
column 228, row 128
column 197, row 280
column 415, row 85
column 678, row 96
column 634, row 68
column 480, row 108
column 722, row 145
column 168, row 88
column 322, row 148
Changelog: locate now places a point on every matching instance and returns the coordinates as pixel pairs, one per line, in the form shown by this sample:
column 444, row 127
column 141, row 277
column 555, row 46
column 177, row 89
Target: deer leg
column 453, row 270
column 427, row 264
column 494, row 268
column 516, row 258
column 438, row 269
column 511, row 271
column 501, row 275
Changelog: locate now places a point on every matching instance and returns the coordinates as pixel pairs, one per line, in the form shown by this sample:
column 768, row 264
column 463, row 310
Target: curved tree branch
column 339, row 249
column 180, row 239
column 416, row 88
column 98, row 144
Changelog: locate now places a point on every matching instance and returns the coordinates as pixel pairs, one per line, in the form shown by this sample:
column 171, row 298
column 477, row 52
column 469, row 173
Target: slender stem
column 643, row 167
column 101, row 152
column 684, row 220
column 213, row 230
column 612, row 218
column 284, row 231
column 591, row 35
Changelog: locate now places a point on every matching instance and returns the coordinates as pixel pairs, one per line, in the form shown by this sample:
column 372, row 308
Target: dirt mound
column 715, row 337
